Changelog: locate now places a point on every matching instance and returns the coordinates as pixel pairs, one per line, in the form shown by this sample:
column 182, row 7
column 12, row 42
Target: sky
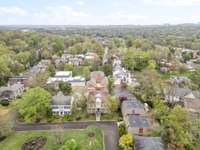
column 98, row 12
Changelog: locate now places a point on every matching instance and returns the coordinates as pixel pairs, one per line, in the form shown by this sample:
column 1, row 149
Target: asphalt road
column 109, row 128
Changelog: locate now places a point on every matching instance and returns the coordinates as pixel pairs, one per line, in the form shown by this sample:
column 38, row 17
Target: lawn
column 85, row 142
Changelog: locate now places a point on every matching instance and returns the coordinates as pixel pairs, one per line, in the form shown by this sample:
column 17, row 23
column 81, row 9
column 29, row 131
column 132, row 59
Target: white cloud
column 80, row 3
column 122, row 17
column 13, row 10
column 173, row 2
column 60, row 15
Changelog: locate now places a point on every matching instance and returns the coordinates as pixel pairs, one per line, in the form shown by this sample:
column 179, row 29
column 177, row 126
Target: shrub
column 4, row 102
column 122, row 129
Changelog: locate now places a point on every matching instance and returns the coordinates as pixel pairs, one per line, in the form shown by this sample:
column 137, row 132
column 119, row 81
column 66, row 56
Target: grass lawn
column 85, row 142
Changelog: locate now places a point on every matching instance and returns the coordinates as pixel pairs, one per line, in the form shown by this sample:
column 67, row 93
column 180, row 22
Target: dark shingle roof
column 138, row 121
column 133, row 104
column 123, row 93
column 148, row 143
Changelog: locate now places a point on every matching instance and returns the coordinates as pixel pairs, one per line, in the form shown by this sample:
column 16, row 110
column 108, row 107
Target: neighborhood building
column 75, row 60
column 132, row 106
column 66, row 76
column 27, row 77
column 179, row 80
column 97, row 93
column 176, row 94
column 122, row 75
column 11, row 92
column 148, row 143
column 61, row 104
column 192, row 102
column 137, row 124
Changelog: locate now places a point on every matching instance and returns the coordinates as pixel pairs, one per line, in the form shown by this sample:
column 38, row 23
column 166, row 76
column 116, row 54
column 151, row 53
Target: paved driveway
column 109, row 129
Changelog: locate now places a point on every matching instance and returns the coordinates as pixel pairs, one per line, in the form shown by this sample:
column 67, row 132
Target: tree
column 5, row 71
column 58, row 44
column 68, row 67
column 176, row 128
column 151, row 85
column 69, row 145
column 110, row 84
column 40, row 79
column 107, row 69
column 152, row 64
column 135, row 59
column 126, row 142
column 195, row 77
column 113, row 103
column 34, row 104
column 196, row 134
column 122, row 129
column 160, row 109
column 23, row 57
column 65, row 87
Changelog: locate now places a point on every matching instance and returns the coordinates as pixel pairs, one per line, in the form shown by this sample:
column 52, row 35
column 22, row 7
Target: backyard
column 87, row 139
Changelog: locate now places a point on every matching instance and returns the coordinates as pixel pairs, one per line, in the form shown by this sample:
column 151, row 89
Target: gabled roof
column 132, row 104
column 61, row 99
column 123, row 93
column 138, row 121
column 148, row 143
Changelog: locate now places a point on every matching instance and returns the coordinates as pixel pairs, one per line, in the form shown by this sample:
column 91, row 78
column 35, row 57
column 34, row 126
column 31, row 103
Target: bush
column 68, row 118
column 122, row 129
column 4, row 102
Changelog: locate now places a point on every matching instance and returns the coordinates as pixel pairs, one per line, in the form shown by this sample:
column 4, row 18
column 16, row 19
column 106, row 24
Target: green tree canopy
column 126, row 142
column 34, row 104
column 65, row 87
column 69, row 145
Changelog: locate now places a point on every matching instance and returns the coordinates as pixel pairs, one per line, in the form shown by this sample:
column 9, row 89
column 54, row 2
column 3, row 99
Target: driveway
column 109, row 128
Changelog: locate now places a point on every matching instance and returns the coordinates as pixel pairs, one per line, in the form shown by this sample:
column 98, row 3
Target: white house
column 122, row 75
column 61, row 104
column 66, row 76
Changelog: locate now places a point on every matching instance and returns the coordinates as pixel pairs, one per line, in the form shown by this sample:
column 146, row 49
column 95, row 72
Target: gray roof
column 133, row 104
column 182, row 91
column 138, row 121
column 148, row 143
column 61, row 99
column 13, row 87
column 123, row 93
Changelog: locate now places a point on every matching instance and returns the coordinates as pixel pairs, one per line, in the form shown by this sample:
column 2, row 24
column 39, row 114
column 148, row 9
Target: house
column 91, row 57
column 176, row 94
column 192, row 102
column 61, row 104
column 123, row 94
column 148, row 143
column 122, row 75
column 132, row 106
column 66, row 76
column 60, row 76
column 137, row 124
column 97, row 93
column 179, row 80
column 27, row 77
column 11, row 92
column 75, row 60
